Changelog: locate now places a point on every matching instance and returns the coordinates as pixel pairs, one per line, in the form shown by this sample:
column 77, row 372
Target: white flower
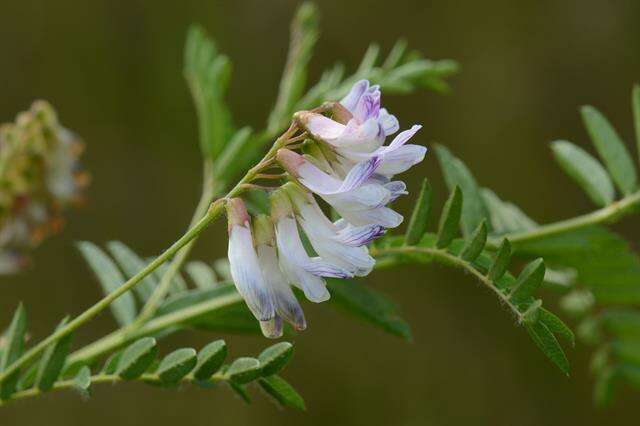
column 359, row 198
column 243, row 261
column 328, row 240
column 298, row 267
column 285, row 302
column 360, row 125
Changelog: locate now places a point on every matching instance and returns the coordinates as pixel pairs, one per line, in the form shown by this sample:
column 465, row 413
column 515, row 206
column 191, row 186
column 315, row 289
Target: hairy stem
column 606, row 214
column 102, row 378
column 119, row 338
column 443, row 256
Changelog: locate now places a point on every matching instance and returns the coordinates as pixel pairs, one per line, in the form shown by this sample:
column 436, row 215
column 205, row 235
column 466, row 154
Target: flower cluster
column 39, row 177
column 345, row 163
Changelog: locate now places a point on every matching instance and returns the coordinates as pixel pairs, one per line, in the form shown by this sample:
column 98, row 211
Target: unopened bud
column 280, row 205
column 237, row 214
column 263, row 232
column 290, row 161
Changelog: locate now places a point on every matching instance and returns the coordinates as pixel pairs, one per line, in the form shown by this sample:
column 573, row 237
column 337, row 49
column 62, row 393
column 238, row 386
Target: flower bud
column 280, row 205
column 290, row 161
column 263, row 232
column 237, row 214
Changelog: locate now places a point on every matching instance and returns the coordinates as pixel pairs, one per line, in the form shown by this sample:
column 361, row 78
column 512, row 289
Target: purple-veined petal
column 272, row 329
column 324, row 238
column 246, row 273
column 359, row 174
column 360, row 137
column 403, row 137
column 357, row 90
column 350, row 192
column 401, row 159
column 293, row 258
column 321, row 268
column 285, row 302
column 367, row 196
column 368, row 107
column 396, row 188
column 382, row 216
column 314, row 287
column 389, row 122
column 396, row 157
column 359, row 235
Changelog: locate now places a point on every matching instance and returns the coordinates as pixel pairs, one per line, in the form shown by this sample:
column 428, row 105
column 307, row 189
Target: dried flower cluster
column 39, row 177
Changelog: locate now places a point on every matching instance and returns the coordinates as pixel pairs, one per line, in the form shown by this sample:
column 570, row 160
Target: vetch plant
column 310, row 219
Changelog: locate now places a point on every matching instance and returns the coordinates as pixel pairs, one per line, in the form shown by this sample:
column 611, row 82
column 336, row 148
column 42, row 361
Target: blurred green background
column 113, row 70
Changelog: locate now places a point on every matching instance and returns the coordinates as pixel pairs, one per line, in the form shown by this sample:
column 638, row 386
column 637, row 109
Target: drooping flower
column 360, row 198
column 285, row 303
column 300, row 269
column 243, row 261
column 328, row 240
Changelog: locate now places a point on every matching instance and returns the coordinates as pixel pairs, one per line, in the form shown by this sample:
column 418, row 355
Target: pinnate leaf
column 282, row 392
column 368, row 305
column 456, row 173
column 586, row 171
column 420, row 215
column 473, row 247
column 611, row 149
column 549, row 345
column 210, row 359
column 53, row 359
column 13, row 349
column 450, row 219
column 110, row 278
column 137, row 357
column 244, row 370
column 501, row 261
column 177, row 364
column 274, row 358
column 528, row 282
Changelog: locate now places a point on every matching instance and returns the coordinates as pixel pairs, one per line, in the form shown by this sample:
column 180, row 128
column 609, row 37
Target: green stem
column 606, row 214
column 119, row 338
column 99, row 379
column 31, row 354
column 443, row 256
